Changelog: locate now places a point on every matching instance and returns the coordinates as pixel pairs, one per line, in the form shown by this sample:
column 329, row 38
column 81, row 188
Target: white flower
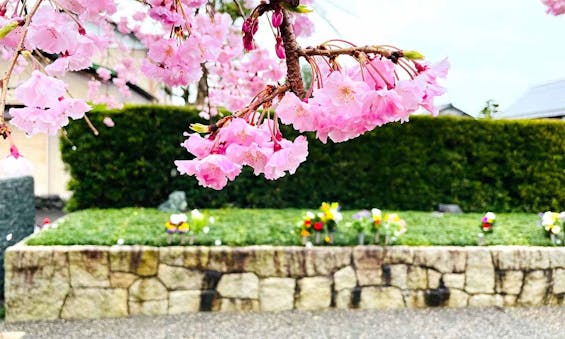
column 562, row 216
column 218, row 242
column 120, row 241
column 548, row 218
column 375, row 212
column 310, row 215
column 308, row 244
column 9, row 237
column 555, row 229
column 206, row 230
column 176, row 219
column 490, row 216
column 196, row 215
column 211, row 220
column 337, row 216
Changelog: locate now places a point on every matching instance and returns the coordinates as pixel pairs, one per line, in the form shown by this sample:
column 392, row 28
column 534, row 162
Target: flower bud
column 279, row 48
column 277, row 18
column 413, row 55
column 7, row 29
column 199, row 128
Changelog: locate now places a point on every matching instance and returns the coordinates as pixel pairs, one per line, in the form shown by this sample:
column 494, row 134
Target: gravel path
column 545, row 322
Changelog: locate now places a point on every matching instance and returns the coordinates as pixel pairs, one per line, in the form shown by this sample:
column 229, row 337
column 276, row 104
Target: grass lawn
column 240, row 227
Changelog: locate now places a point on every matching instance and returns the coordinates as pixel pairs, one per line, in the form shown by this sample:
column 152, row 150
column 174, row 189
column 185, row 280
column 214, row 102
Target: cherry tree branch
column 19, row 49
column 351, row 51
column 292, row 49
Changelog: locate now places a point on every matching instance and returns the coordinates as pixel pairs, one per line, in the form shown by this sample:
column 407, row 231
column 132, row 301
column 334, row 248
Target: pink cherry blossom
column 52, row 31
column 47, row 109
column 555, row 7
column 198, row 146
column 213, row 171
column 292, row 110
column 108, row 122
column 288, row 158
column 40, row 91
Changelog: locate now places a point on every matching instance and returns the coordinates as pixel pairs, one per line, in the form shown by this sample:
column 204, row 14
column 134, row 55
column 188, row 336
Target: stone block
column 180, row 278
column 510, row 300
column 326, row 260
column 120, row 258
column 442, row 259
column 486, row 300
column 417, row 278
column 239, row 286
column 557, row 257
column 95, row 303
column 368, row 258
column 238, row 305
column 89, row 267
column 398, row 276
column 534, row 290
column 37, row 283
column 454, row 280
column 315, row 293
column 370, row 277
column 191, row 257
column 262, row 261
column 145, row 261
column 558, row 281
column 122, row 280
column 521, row 257
column 479, row 277
column 140, row 260
column 343, row 299
column 399, row 255
column 415, row 299
column 381, row 298
column 345, row 279
column 150, row 307
column 434, row 279
column 457, row 298
column 146, row 289
column 184, row 302
column 510, row 282
column 277, row 294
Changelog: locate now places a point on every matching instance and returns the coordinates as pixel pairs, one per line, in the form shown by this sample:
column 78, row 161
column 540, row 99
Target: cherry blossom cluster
column 47, row 108
column 355, row 100
column 188, row 38
column 221, row 154
column 555, row 7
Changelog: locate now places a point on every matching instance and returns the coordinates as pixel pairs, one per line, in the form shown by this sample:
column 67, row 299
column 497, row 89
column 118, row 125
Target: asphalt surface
column 545, row 322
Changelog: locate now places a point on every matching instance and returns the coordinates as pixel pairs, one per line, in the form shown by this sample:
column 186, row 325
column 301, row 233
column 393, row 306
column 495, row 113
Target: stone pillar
column 17, row 215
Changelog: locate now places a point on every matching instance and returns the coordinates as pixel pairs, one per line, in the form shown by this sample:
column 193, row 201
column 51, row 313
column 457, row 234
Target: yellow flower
column 391, row 218
column 305, row 233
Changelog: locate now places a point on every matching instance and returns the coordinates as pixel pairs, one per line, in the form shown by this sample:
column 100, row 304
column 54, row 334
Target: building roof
column 451, row 110
column 541, row 101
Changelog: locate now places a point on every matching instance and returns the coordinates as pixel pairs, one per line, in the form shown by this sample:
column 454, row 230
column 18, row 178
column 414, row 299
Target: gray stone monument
column 17, row 215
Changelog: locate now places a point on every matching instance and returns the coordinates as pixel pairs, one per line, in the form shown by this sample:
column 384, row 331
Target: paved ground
column 546, row 322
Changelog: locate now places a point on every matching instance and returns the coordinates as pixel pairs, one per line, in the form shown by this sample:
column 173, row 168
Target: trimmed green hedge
column 480, row 165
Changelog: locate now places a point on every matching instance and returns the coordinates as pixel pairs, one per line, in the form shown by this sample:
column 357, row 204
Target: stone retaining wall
column 74, row 282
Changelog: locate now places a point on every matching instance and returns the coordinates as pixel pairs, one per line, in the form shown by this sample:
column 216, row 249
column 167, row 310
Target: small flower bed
column 322, row 224
column 553, row 224
column 385, row 230
column 178, row 224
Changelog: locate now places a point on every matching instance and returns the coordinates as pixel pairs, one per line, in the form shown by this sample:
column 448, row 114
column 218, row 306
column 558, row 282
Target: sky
column 497, row 49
